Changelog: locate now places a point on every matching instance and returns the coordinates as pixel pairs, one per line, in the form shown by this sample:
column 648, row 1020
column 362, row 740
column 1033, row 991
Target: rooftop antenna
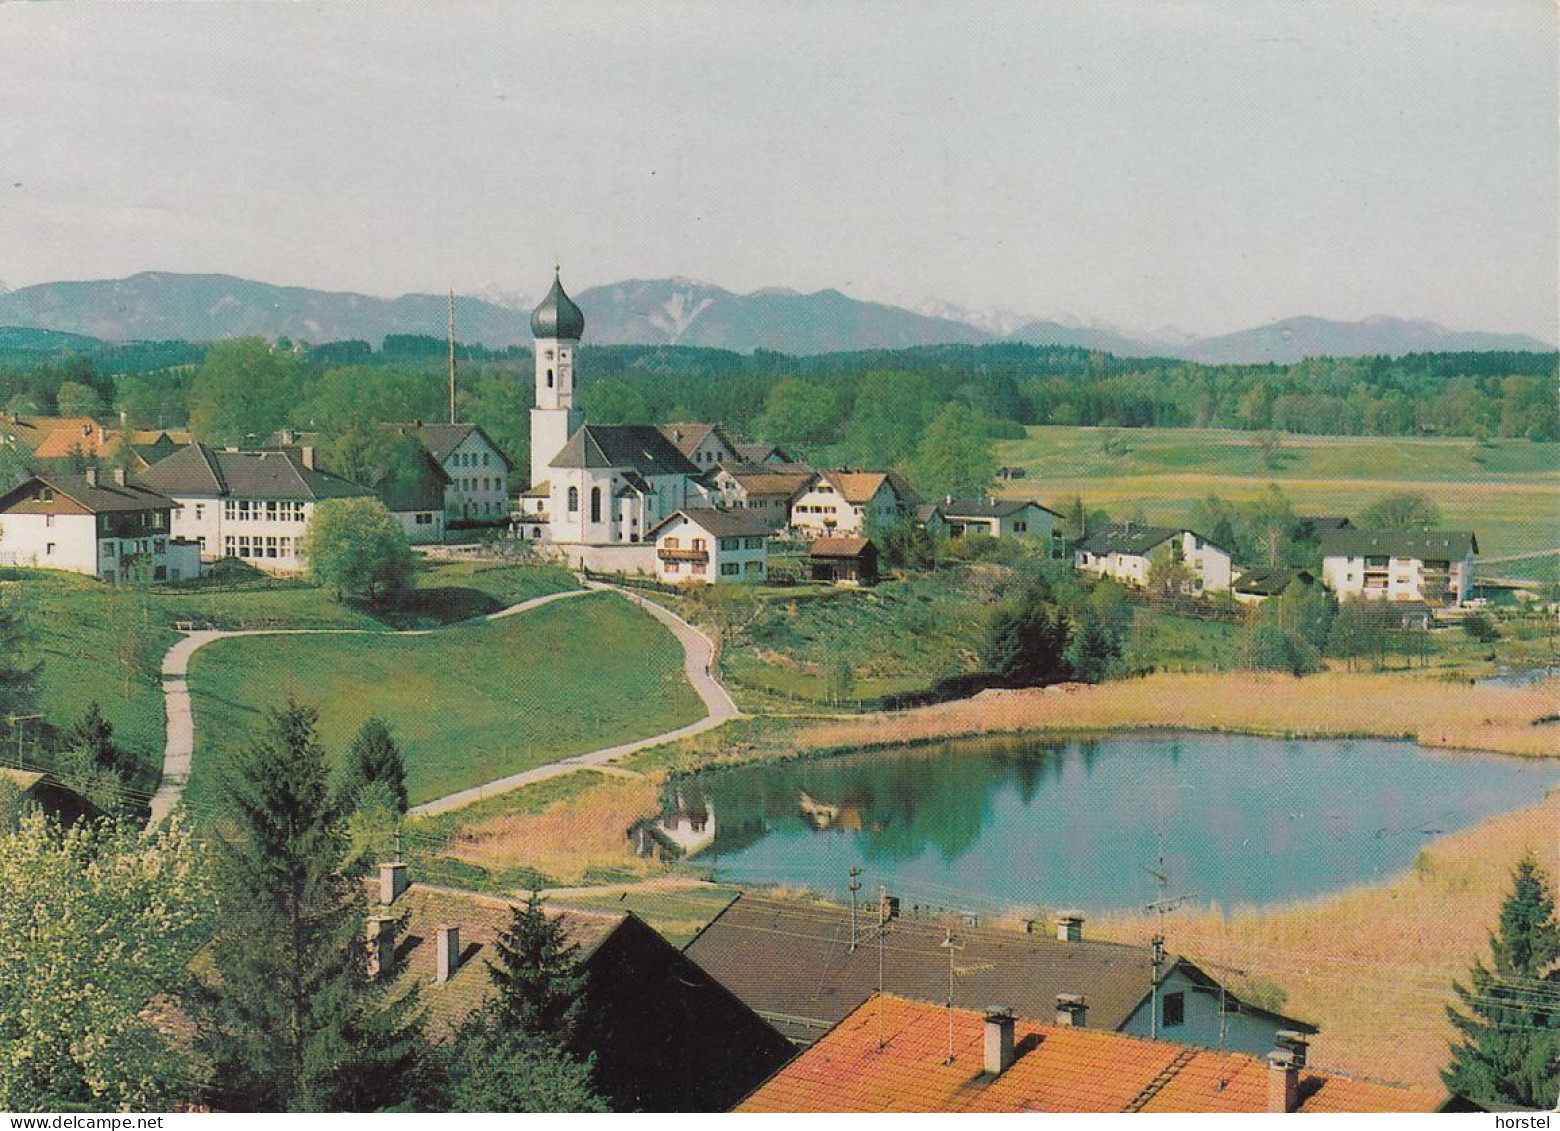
column 452, row 356
column 855, row 886
column 951, row 947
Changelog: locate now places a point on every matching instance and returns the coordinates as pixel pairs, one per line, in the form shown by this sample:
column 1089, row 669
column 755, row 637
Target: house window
column 753, row 543
column 574, row 500
column 1020, row 528
column 673, row 567
column 270, row 510
column 700, row 545
column 1174, row 1009
column 270, row 546
column 230, row 545
column 549, row 378
column 229, row 509
column 755, row 567
column 200, row 511
column 484, row 459
column 698, row 567
column 49, row 549
column 730, row 569
column 48, row 520
column 672, row 542
column 284, row 545
column 595, row 504
column 159, row 573
column 424, row 519
column 731, row 543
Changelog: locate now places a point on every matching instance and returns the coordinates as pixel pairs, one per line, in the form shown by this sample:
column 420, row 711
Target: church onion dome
column 557, row 316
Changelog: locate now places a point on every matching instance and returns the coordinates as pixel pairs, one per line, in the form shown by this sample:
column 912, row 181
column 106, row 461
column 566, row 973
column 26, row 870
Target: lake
column 988, row 823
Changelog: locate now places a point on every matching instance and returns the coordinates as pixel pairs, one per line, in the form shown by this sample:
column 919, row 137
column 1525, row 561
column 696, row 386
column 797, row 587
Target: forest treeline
column 871, row 407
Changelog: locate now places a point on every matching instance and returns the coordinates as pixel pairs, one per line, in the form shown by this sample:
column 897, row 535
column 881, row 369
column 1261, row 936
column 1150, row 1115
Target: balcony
column 677, row 554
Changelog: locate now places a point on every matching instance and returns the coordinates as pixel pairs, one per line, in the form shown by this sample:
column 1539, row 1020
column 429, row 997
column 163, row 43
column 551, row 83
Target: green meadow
column 468, row 705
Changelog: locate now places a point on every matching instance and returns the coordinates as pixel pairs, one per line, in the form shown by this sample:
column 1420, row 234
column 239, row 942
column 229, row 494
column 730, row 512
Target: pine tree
column 537, row 976
column 290, row 1019
column 374, row 757
column 1510, row 1046
column 93, row 735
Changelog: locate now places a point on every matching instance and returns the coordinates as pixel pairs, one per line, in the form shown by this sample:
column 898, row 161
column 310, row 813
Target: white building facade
column 107, row 528
column 1431, row 566
column 703, row 545
column 1126, row 553
column 844, row 502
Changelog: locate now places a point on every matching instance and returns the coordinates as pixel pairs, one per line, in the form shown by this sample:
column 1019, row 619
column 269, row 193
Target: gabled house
column 101, row 525
column 996, row 518
column 793, row 963
column 477, row 470
column 1258, row 584
column 665, row 1035
column 843, row 501
column 705, row 445
column 767, row 489
column 893, row 1054
column 254, row 506
column 1433, row 566
column 1126, row 552
column 701, row 544
column 843, row 561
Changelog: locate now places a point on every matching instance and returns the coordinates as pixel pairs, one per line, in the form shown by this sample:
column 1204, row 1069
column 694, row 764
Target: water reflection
column 1018, row 821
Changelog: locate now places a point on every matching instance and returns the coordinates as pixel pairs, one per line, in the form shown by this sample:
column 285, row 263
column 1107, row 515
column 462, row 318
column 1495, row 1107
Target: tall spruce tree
column 511, row 1055
column 289, row 1019
column 1509, row 1051
column 374, row 757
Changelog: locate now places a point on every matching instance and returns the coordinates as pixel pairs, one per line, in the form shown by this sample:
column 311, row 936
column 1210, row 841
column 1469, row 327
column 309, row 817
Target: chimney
column 306, row 456
column 91, row 474
column 1283, row 1082
column 999, row 1041
column 381, row 946
column 447, row 955
column 119, row 477
column 392, row 882
column 888, row 906
column 1293, row 1042
column 1071, row 1010
column 1069, row 926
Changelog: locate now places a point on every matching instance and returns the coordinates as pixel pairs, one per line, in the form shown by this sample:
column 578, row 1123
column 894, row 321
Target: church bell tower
column 557, row 325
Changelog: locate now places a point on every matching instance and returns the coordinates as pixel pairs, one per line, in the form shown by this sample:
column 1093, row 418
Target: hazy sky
column 1207, row 165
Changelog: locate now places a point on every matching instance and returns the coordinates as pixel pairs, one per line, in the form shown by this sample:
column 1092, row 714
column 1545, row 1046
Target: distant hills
column 160, row 306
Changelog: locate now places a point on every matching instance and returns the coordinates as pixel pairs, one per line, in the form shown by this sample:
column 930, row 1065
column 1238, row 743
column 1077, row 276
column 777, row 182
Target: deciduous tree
column 356, row 548
column 955, row 454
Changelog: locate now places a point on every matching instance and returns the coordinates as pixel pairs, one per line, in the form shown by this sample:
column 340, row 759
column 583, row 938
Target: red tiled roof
column 892, row 1055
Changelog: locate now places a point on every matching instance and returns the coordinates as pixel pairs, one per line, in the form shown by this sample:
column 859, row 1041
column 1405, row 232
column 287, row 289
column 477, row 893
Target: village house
column 57, row 441
column 664, row 1035
column 704, row 545
column 995, row 518
column 893, row 1054
column 704, row 445
column 102, row 526
column 843, row 501
column 767, row 489
column 843, row 561
column 254, row 506
column 1433, row 566
column 1126, row 553
column 1258, row 584
column 477, row 472
column 794, row 964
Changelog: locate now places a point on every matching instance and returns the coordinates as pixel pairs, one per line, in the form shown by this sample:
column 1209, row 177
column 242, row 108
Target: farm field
column 1505, row 491
column 468, row 705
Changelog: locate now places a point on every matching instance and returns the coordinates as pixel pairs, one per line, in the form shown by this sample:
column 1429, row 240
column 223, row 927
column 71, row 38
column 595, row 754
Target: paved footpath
column 698, row 660
column 180, row 743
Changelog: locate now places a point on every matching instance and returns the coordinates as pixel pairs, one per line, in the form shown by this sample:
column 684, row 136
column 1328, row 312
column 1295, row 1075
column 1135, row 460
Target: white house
column 767, row 489
column 478, row 487
column 844, row 502
column 1126, row 553
column 1434, row 566
column 996, row 518
column 106, row 528
column 249, row 505
column 705, row 445
column 703, row 545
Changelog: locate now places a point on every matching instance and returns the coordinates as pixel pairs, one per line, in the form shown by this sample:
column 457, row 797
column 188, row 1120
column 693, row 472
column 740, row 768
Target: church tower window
column 595, row 504
column 574, row 500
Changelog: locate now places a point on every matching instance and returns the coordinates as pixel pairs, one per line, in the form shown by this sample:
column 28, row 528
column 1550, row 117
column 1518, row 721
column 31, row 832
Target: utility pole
column 1153, row 1004
column 951, row 947
column 452, row 356
column 855, row 886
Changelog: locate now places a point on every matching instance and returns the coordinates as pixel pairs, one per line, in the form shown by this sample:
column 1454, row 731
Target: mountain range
column 164, row 306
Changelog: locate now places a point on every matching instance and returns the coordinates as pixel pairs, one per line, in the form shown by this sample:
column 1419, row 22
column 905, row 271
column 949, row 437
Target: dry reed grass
column 1373, row 966
column 1435, row 712
column 568, row 836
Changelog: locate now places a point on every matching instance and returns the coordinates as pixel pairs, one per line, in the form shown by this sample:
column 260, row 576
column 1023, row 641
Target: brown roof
column 103, row 497
column 71, row 434
column 891, row 1054
column 839, row 547
column 790, row 959
column 688, row 436
column 768, row 479
column 858, row 487
column 722, row 524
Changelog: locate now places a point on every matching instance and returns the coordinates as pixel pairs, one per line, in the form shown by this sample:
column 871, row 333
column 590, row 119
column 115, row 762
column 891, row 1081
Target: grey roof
column 634, row 447
column 1125, row 538
column 689, row 435
column 763, row 453
column 722, row 524
column 557, row 316
column 1433, row 545
column 791, row 962
column 202, row 470
column 442, row 439
column 1270, row 581
column 103, row 497
column 987, row 508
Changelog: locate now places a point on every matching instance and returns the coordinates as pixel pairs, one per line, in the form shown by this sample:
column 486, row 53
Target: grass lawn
column 1505, row 491
column 468, row 705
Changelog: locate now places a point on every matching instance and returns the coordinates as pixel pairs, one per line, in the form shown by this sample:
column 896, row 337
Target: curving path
column 698, row 665
column 179, row 746
column 698, row 660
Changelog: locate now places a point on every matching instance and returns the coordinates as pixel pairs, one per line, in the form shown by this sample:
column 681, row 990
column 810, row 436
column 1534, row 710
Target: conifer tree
column 1509, row 1050
column 374, row 757
column 290, row 1020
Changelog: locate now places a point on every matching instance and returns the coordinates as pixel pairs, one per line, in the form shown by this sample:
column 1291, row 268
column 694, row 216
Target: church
column 597, row 490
